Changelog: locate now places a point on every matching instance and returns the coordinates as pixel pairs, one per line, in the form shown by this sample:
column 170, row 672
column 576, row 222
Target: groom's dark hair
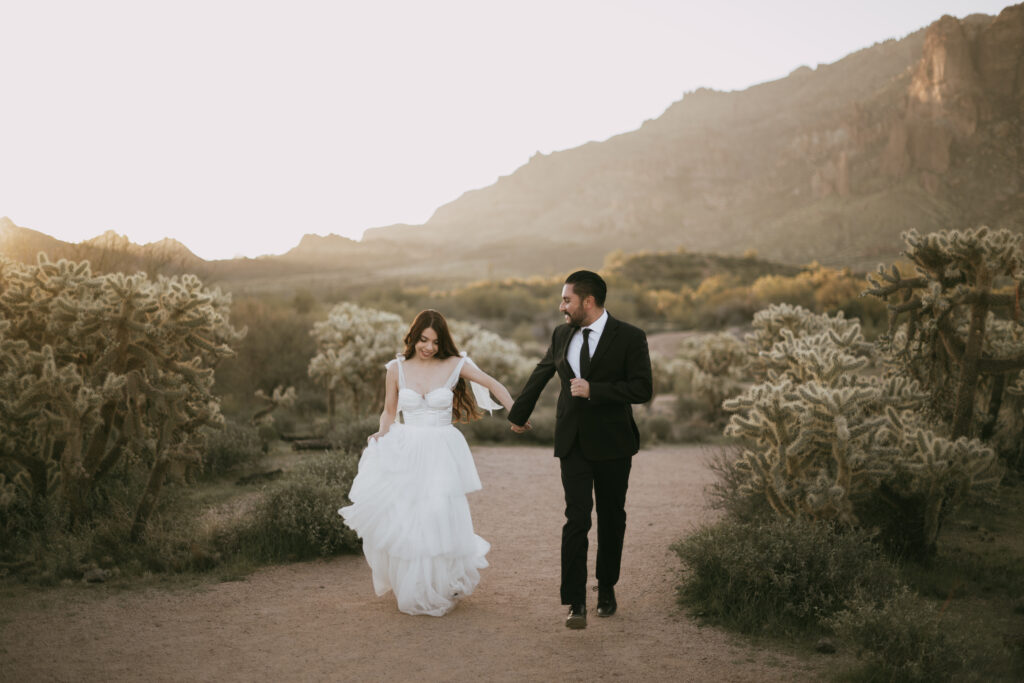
column 588, row 283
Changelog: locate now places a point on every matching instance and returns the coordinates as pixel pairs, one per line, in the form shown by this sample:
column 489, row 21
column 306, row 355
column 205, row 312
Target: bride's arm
column 475, row 374
column 387, row 418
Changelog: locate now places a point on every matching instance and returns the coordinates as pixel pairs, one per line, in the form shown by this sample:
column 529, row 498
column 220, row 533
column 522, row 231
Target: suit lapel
column 563, row 350
column 607, row 336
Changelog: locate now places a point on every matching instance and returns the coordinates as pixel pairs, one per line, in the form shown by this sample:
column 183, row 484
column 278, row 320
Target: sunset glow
column 236, row 127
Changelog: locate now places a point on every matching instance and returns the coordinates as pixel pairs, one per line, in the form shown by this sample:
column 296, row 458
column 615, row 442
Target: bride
column 409, row 498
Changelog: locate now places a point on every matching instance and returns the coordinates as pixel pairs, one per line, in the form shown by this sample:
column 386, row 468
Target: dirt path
column 320, row 621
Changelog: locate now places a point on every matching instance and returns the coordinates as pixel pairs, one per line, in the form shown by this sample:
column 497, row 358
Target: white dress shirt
column 576, row 343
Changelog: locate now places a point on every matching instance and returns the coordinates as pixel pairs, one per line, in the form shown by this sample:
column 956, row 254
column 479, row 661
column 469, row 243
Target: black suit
column 595, row 440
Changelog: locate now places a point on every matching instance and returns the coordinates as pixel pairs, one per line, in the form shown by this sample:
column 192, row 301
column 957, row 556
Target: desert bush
column 103, row 375
column 797, row 291
column 780, row 576
column 944, row 329
column 275, row 352
column 353, row 345
column 499, row 357
column 824, row 439
column 349, row 433
column 502, row 304
column 654, row 427
column 333, row 469
column 692, row 427
column 729, row 492
column 48, row 550
column 710, row 369
column 903, row 638
column 297, row 517
column 231, row 449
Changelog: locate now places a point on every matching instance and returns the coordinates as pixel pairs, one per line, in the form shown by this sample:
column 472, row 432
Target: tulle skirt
column 409, row 506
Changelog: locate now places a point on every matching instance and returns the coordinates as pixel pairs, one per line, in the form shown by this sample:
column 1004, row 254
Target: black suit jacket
column 620, row 375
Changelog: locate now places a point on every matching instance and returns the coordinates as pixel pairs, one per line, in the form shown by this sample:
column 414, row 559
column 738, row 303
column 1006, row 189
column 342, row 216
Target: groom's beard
column 574, row 320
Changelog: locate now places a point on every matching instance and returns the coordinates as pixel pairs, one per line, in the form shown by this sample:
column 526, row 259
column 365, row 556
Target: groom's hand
column 519, row 429
column 580, row 388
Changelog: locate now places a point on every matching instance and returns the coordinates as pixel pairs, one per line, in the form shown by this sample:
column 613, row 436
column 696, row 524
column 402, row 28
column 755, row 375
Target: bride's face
column 426, row 345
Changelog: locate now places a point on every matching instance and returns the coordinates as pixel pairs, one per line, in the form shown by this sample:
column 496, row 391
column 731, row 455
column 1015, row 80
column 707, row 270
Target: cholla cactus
column 711, row 369
column 813, row 449
column 499, row 357
column 942, row 329
column 280, row 397
column 353, row 344
column 941, row 473
column 102, row 371
column 822, row 437
column 770, row 324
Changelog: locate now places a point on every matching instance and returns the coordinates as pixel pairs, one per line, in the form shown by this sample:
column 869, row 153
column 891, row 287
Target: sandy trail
column 320, row 621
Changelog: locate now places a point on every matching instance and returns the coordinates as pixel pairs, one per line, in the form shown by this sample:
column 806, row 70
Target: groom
column 604, row 367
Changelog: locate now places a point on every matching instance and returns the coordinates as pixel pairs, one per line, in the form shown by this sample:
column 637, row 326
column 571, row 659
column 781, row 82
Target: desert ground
column 320, row 620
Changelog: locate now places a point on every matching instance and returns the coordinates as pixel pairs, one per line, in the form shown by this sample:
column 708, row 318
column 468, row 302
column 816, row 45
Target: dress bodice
column 433, row 409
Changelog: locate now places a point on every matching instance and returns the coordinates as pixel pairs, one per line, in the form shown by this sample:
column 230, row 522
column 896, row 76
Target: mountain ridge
column 829, row 163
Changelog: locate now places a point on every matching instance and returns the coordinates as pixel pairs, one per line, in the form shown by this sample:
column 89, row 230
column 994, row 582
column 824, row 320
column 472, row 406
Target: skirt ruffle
column 409, row 506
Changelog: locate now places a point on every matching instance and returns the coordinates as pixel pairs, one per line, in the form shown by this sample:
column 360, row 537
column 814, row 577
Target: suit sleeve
column 636, row 386
column 523, row 406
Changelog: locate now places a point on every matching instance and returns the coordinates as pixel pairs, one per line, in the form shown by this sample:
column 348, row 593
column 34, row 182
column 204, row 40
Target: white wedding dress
column 409, row 504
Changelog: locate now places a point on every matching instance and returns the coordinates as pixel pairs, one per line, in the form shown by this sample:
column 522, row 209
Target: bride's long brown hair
column 464, row 408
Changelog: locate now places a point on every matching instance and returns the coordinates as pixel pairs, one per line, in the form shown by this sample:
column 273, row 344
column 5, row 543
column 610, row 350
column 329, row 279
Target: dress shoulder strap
column 458, row 368
column 401, row 372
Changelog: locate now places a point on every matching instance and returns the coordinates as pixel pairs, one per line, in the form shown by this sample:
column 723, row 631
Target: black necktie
column 585, row 353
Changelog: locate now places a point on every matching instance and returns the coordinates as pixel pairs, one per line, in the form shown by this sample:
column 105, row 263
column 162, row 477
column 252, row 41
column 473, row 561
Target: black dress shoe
column 606, row 604
column 577, row 616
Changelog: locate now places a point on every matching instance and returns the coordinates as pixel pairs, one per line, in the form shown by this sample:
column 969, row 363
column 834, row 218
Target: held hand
column 580, row 388
column 521, row 429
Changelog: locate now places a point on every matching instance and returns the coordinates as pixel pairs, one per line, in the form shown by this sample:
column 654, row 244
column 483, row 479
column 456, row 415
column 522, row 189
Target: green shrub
column 694, row 428
column 231, row 448
column 350, row 432
column 297, row 518
column 902, row 639
column 728, row 493
column 654, row 427
column 781, row 576
column 333, row 469
column 47, row 548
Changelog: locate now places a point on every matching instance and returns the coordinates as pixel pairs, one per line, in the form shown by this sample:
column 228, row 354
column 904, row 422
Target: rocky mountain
column 22, row 244
column 107, row 252
column 830, row 163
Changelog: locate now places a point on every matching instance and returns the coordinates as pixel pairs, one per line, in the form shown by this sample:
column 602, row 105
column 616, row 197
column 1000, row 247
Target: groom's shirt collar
column 596, row 327
column 576, row 341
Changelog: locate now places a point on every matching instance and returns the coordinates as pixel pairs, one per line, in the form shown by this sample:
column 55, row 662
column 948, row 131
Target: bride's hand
column 374, row 436
column 523, row 428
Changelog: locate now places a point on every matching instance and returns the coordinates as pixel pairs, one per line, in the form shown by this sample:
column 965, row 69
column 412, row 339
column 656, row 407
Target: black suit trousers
column 584, row 482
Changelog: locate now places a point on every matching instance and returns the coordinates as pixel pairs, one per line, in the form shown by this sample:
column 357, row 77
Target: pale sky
column 236, row 127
